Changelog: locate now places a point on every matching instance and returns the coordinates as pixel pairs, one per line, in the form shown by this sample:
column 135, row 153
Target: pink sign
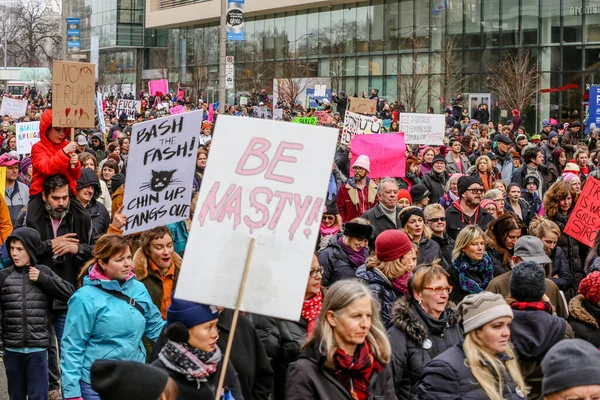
column 160, row 85
column 177, row 110
column 386, row 151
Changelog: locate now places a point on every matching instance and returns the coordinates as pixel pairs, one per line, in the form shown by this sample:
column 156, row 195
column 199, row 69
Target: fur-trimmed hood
column 578, row 311
column 140, row 264
column 404, row 319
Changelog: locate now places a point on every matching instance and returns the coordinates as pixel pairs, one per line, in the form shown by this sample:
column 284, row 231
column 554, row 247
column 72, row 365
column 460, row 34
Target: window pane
column 362, row 27
column 301, row 34
column 510, row 22
column 472, row 23
column 529, row 21
column 376, row 17
column 313, row 31
column 491, row 23
column 550, row 28
column 391, row 30
column 572, row 23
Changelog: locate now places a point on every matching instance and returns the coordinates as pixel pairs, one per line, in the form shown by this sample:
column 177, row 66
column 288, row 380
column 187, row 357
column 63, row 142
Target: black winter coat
column 560, row 268
column 309, row 379
column 456, row 219
column 570, row 248
column 435, row 183
column 429, row 250
column 382, row 289
column 584, row 318
column 412, row 332
column 380, row 222
column 336, row 265
column 447, row 377
column 283, row 341
column 446, row 245
column 100, row 218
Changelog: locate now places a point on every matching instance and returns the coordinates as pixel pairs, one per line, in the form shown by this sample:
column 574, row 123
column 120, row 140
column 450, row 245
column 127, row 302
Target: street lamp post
column 222, row 55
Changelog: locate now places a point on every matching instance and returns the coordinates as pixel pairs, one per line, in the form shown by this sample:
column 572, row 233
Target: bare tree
column 412, row 83
column 291, row 84
column 337, row 66
column 256, row 74
column 515, row 79
column 200, row 81
column 451, row 80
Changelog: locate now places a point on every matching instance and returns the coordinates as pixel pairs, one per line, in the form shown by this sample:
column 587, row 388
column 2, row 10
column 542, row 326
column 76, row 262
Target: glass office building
column 370, row 44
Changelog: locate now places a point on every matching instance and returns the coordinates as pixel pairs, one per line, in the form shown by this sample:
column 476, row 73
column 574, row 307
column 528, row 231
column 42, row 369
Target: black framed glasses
column 476, row 191
column 443, row 219
column 316, row 271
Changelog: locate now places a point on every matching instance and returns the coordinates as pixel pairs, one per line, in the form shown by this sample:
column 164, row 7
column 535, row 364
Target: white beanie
column 363, row 162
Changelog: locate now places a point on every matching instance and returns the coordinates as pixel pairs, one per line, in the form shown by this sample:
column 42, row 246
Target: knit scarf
column 332, row 230
column 355, row 371
column 356, row 258
column 466, row 267
column 196, row 365
column 401, row 283
column 531, row 306
column 310, row 311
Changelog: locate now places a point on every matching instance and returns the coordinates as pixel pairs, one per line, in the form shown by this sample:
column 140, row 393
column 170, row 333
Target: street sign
column 229, row 72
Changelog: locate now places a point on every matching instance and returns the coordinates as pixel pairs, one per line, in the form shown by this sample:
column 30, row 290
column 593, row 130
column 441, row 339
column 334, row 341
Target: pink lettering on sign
column 257, row 148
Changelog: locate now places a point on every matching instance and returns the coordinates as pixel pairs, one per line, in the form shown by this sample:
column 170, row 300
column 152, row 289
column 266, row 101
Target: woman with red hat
column 584, row 310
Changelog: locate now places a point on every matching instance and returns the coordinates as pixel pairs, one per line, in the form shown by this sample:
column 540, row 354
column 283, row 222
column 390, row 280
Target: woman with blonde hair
column 387, row 271
column 413, row 223
column 484, row 169
column 348, row 356
column 549, row 233
column 472, row 269
column 485, row 365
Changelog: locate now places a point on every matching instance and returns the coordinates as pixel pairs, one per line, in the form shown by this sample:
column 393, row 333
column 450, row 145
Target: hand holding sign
column 73, row 94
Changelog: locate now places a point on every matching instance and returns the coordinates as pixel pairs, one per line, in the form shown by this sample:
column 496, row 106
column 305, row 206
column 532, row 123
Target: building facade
column 379, row 43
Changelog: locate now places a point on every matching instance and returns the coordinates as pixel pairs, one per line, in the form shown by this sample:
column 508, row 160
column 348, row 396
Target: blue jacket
column 180, row 236
column 101, row 326
column 383, row 291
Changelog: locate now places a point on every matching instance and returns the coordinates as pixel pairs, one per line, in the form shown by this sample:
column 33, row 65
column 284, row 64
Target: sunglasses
column 440, row 290
column 328, row 218
column 443, row 219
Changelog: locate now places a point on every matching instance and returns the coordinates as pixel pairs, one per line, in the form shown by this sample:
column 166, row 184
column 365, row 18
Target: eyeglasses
column 592, row 397
column 475, row 191
column 328, row 217
column 440, row 290
column 314, row 272
column 501, row 200
column 443, row 219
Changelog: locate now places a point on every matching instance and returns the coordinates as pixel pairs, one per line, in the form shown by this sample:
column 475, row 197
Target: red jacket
column 48, row 159
column 353, row 203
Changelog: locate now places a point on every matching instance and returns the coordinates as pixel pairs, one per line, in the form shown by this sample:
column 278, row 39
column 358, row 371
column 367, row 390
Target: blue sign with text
column 594, row 113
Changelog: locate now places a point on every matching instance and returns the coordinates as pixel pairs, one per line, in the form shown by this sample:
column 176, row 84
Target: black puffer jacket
column 447, row 377
column 584, row 318
column 383, row 290
column 335, row 262
column 570, row 248
column 283, row 341
column 26, row 304
column 416, row 339
column 429, row 250
column 446, row 245
column 309, row 378
column 435, row 184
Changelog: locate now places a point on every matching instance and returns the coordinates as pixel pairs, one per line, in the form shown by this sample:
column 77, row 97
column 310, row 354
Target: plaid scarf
column 531, row 306
column 354, row 372
column 195, row 365
column 310, row 311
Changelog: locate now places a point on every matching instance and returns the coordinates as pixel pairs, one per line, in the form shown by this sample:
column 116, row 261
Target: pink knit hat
column 363, row 162
column 568, row 176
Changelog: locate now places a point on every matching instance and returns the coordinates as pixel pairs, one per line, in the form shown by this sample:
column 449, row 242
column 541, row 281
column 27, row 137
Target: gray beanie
column 570, row 363
column 479, row 309
column 528, row 281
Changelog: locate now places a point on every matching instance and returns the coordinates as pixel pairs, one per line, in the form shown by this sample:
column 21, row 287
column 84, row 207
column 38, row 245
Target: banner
column 261, row 112
column 324, row 117
column 387, row 154
column 163, row 156
column 266, row 180
column 594, row 109
column 129, row 107
column 73, row 94
column 160, row 85
column 100, row 114
column 305, row 120
column 235, row 20
column 362, row 106
column 28, row 134
column 14, row 108
column 423, row 128
column 357, row 124
column 584, row 222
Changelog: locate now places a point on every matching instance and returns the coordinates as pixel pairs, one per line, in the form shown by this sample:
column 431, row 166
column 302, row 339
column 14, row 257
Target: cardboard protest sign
column 14, row 108
column 177, row 110
column 305, row 120
column 584, row 222
column 73, row 94
column 100, row 113
column 362, row 106
column 266, row 180
column 277, row 114
column 28, row 134
column 387, row 153
column 262, row 112
column 356, row 124
column 324, row 118
column 3, row 181
column 159, row 85
column 423, row 128
column 243, row 100
column 129, row 107
column 163, row 158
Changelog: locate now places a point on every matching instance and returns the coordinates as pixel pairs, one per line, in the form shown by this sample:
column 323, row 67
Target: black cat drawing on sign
column 160, row 181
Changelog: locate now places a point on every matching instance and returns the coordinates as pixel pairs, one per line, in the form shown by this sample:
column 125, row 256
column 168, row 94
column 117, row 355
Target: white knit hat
column 479, row 309
column 363, row 162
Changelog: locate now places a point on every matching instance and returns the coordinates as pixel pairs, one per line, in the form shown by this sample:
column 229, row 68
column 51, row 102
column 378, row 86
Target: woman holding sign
column 348, row 356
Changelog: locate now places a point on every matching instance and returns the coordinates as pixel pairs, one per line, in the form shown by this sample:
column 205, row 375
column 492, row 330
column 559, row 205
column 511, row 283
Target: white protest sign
column 266, row 180
column 358, row 124
column 320, row 90
column 28, row 134
column 262, row 112
column 277, row 114
column 129, row 107
column 14, row 108
column 422, row 128
column 163, row 158
column 100, row 113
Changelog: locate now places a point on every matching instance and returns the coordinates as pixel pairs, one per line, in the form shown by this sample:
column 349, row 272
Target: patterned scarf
column 531, row 306
column 310, row 311
column 356, row 258
column 195, row 365
column 332, row 230
column 465, row 267
column 354, row 372
column 401, row 283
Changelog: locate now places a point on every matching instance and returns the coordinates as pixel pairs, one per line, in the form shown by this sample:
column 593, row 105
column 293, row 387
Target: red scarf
column 310, row 311
column 354, row 372
column 531, row 306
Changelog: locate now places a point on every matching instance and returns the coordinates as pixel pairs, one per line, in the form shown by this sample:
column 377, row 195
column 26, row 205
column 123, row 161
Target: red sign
column 584, row 222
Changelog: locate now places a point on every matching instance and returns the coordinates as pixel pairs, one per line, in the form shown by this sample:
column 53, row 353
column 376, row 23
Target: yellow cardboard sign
column 3, row 181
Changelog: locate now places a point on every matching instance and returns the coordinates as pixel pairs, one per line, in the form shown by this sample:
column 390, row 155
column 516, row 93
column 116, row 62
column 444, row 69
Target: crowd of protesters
column 455, row 281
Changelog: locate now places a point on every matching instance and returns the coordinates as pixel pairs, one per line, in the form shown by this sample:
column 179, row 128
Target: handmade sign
column 129, row 107
column 362, row 106
column 265, row 180
column 3, row 182
column 73, row 94
column 356, row 124
column 262, row 112
column 163, row 156
column 324, row 118
column 100, row 113
column 584, row 222
column 243, row 100
column 387, row 153
column 28, row 134
column 177, row 110
column 159, row 85
column 14, row 108
column 305, row 120
column 277, row 114
column 423, row 128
